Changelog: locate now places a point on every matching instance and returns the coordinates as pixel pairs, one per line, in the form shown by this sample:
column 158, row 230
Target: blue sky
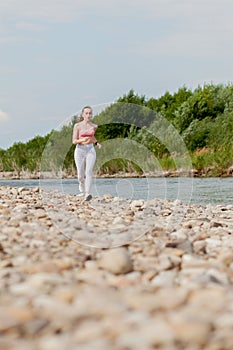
column 57, row 56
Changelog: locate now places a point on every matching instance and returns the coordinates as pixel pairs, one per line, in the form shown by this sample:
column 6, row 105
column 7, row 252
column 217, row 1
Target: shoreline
column 24, row 175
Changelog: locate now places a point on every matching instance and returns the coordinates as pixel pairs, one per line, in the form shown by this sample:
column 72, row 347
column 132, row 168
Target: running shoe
column 81, row 194
column 88, row 197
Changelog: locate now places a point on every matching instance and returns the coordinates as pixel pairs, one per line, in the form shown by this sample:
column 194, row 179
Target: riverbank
column 208, row 172
column 167, row 284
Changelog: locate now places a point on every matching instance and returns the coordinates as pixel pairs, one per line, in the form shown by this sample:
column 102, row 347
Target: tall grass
column 204, row 161
column 214, row 163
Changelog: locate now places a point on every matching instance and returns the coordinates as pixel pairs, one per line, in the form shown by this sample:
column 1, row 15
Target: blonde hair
column 81, row 116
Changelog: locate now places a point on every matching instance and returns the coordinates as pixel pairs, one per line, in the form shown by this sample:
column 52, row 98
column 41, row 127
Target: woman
column 85, row 154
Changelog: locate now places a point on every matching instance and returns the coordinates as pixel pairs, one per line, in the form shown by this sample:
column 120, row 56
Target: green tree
column 197, row 133
column 168, row 104
column 132, row 97
column 221, row 131
column 203, row 103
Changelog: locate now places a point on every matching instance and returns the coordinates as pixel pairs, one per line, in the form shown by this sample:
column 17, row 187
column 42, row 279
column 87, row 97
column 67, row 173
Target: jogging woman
column 85, row 154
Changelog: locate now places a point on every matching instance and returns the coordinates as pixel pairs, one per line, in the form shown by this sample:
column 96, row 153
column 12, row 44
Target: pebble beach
column 113, row 273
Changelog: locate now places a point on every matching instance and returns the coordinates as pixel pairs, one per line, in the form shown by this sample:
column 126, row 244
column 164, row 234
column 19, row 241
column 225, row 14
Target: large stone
column 117, row 261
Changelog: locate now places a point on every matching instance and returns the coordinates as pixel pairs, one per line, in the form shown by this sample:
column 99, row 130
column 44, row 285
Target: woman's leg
column 79, row 158
column 90, row 162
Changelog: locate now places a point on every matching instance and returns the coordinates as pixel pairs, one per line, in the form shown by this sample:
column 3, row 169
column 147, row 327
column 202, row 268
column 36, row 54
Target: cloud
column 53, row 10
column 196, row 27
column 196, row 44
column 30, row 26
column 68, row 10
column 3, row 116
column 13, row 39
column 201, row 29
column 65, row 10
column 7, row 69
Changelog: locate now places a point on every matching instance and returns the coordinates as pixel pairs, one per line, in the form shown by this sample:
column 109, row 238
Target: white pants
column 85, row 154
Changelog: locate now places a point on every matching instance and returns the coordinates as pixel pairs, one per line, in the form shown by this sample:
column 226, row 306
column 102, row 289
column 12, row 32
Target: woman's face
column 87, row 114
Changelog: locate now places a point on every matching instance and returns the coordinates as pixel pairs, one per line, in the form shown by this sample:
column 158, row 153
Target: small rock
column 117, row 261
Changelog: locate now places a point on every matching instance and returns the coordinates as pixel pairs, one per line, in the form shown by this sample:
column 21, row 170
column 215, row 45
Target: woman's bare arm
column 75, row 134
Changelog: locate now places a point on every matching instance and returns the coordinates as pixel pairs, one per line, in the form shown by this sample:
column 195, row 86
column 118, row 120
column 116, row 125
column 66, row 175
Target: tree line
column 202, row 118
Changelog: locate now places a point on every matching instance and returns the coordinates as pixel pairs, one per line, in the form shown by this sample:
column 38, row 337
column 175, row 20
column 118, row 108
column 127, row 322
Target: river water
column 201, row 191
